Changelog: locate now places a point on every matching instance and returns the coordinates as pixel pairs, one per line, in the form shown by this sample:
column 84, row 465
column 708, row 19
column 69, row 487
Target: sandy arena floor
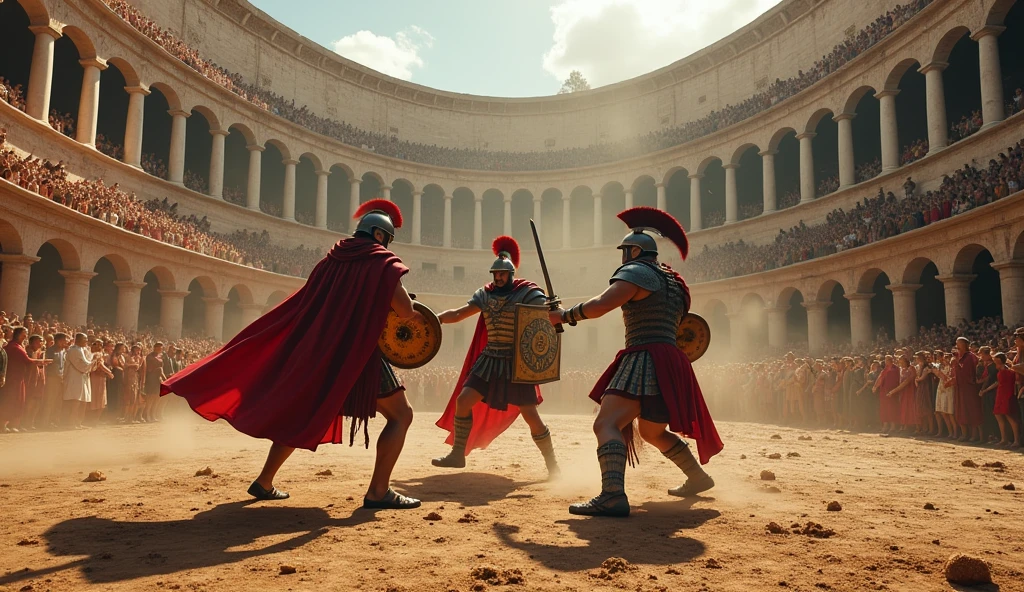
column 154, row 525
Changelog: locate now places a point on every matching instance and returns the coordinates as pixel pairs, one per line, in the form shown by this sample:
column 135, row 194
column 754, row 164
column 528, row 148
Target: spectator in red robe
column 968, row 402
column 19, row 368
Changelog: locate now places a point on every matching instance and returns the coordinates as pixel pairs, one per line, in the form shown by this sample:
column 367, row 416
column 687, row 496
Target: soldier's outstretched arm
column 455, row 315
column 617, row 294
column 401, row 303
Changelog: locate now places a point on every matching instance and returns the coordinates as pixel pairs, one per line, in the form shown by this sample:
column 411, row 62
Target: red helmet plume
column 383, row 205
column 648, row 218
column 506, row 244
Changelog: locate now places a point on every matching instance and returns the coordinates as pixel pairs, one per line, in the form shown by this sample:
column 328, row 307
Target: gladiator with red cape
column 485, row 401
column 294, row 374
column 650, row 387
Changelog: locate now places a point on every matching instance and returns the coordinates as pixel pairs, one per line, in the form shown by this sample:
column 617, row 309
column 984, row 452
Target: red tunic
column 968, row 411
column 290, row 375
column 889, row 407
column 13, row 393
column 1006, row 393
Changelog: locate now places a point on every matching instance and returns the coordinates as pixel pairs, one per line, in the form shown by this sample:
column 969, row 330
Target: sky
column 517, row 48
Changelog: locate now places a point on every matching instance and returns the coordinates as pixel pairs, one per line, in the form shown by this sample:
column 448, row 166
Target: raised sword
column 554, row 302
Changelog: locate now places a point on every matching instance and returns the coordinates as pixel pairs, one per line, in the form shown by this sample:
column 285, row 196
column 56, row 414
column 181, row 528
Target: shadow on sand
column 119, row 550
column 649, row 537
column 468, row 489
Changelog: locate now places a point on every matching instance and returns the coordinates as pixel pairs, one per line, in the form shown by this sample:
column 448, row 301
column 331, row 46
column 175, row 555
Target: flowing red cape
column 688, row 414
column 488, row 423
column 292, row 373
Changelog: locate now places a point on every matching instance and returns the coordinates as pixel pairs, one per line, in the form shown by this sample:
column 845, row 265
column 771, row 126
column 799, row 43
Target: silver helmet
column 507, row 250
column 379, row 214
column 638, row 238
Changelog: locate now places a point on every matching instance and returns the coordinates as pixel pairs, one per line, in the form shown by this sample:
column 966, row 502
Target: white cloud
column 612, row 40
column 397, row 56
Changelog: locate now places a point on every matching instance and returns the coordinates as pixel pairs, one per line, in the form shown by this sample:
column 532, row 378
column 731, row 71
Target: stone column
column 417, row 217
column 506, row 226
column 731, row 199
column 447, row 228
column 1011, row 287
column 320, row 219
column 889, row 129
column 566, row 221
column 538, row 202
column 385, row 192
column 904, row 304
column 128, row 300
column 353, row 203
column 288, row 211
column 40, row 77
column 17, row 270
column 807, row 185
column 252, row 190
column 89, row 101
column 176, row 158
column 598, row 221
column 172, row 309
column 860, row 319
column 76, row 296
column 695, row 217
column 991, row 74
column 217, row 163
column 478, row 222
column 250, row 312
column 215, row 317
column 133, row 126
column 847, row 168
column 957, row 288
column 737, row 333
column 662, row 201
column 817, row 325
column 935, row 96
column 777, row 329
column 628, row 198
column 768, row 179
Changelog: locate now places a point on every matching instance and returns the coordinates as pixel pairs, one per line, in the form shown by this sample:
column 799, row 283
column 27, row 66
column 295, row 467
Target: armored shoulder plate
column 479, row 298
column 639, row 274
column 534, row 296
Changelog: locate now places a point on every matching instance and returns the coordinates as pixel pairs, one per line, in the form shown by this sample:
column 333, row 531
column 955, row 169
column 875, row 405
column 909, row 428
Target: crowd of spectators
column 967, row 125
column 959, row 383
column 63, row 123
column 867, row 170
column 156, row 219
column 916, row 150
column 109, row 147
column 12, row 94
column 482, row 159
column 872, row 219
column 42, row 386
column 826, row 186
column 154, row 165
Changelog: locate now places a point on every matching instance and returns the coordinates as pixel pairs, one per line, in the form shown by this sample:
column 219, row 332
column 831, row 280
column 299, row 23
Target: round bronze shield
column 411, row 343
column 693, row 336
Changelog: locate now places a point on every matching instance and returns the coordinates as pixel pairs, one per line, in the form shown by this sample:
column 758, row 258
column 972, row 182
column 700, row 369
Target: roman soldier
column 651, row 379
column 294, row 374
column 486, row 401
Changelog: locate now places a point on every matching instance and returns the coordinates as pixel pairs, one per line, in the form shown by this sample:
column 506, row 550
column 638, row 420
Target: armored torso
column 499, row 312
column 654, row 319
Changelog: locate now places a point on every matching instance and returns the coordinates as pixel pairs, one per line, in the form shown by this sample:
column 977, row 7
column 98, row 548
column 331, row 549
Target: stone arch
column 997, row 13
column 867, row 279
column 640, row 180
column 786, row 295
column 739, row 152
column 812, row 123
column 10, row 239
column 522, row 211
column 208, row 285
column 209, row 114
column 773, row 143
column 854, row 99
column 946, row 43
column 374, row 175
column 276, row 298
column 131, row 76
column 705, row 163
column 671, row 173
column 824, row 292
column 250, row 137
column 281, row 147
column 36, row 11
column 122, row 268
column 1018, row 247
column 963, row 263
column 351, row 174
column 892, row 81
column 70, row 258
column 164, row 277
column 716, row 313
column 245, row 296
column 755, row 320
column 313, row 158
column 86, row 48
column 912, row 271
column 173, row 101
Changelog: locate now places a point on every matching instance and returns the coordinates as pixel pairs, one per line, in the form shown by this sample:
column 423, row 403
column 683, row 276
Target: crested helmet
column 506, row 249
column 644, row 222
column 379, row 214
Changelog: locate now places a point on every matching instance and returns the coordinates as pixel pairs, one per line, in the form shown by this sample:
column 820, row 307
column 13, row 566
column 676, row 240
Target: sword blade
column 553, row 300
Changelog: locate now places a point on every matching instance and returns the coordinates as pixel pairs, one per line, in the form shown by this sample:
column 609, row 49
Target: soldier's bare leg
column 677, row 451
column 263, row 487
column 456, row 458
column 541, row 437
column 398, row 413
column 616, row 413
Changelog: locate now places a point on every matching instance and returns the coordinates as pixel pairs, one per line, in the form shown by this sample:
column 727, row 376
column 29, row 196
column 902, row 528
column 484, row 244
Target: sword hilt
column 554, row 303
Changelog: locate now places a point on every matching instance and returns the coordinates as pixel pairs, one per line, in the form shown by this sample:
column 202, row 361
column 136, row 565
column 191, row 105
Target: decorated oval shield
column 693, row 336
column 411, row 343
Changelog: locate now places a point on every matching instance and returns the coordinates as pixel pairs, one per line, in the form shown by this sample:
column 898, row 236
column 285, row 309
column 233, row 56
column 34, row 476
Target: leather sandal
column 392, row 500
column 257, row 491
column 452, row 460
column 693, row 487
column 610, row 505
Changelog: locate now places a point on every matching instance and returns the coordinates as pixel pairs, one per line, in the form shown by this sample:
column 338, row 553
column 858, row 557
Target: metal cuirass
column 654, row 319
column 499, row 312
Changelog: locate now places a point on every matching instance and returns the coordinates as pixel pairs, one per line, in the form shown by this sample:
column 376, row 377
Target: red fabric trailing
column 508, row 245
column 388, row 207
column 289, row 376
column 663, row 222
column 488, row 423
column 688, row 414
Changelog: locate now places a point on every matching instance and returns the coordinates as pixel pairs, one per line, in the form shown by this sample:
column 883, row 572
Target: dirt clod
column 930, row 506
column 994, row 465
column 712, row 563
column 771, row 489
column 775, row 528
column 834, row 506
column 815, row 530
column 792, row 455
column 207, row 472
column 775, row 456
column 1009, row 487
column 969, row 463
column 325, row 473
column 27, row 542
column 965, row 569
column 433, row 517
column 743, row 457
column 468, row 517
column 614, row 565
column 94, row 477
column 776, row 437
column 767, row 476
column 805, row 438
column 94, row 500
column 287, row 570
